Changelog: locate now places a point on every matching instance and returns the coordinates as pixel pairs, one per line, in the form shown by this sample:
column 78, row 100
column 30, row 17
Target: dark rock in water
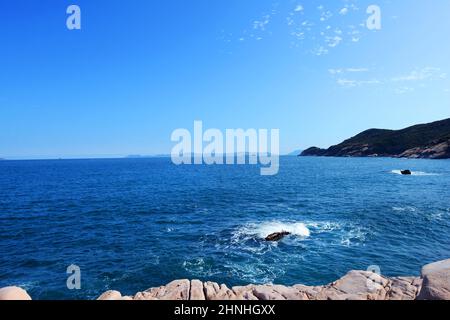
column 406, row 172
column 277, row 236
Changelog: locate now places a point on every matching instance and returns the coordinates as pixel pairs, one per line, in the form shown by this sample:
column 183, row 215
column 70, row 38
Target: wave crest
column 264, row 229
column 415, row 173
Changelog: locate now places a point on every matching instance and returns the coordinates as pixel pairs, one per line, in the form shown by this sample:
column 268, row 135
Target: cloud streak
column 402, row 84
column 427, row 73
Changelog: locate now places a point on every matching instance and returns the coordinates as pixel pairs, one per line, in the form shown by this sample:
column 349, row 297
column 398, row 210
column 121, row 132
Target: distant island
column 423, row 141
column 294, row 153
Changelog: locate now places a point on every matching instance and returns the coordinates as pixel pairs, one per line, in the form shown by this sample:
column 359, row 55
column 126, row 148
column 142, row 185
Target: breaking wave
column 415, row 173
column 297, row 229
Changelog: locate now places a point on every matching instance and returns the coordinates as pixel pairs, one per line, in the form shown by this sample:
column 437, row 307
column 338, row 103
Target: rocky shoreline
column 425, row 141
column 433, row 284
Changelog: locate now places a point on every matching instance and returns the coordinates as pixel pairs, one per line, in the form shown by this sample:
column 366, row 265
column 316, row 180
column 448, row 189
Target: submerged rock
column 406, row 172
column 277, row 236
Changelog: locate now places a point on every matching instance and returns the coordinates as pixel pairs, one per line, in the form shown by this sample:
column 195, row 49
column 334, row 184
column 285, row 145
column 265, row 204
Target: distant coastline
column 137, row 156
column 424, row 141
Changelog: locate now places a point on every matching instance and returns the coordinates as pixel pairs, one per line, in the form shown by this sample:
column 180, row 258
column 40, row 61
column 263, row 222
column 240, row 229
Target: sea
column 132, row 224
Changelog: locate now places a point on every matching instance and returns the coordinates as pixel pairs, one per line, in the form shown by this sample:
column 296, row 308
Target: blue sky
column 140, row 69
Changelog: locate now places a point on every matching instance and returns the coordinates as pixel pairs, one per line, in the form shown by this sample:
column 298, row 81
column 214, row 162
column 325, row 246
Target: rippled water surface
column 131, row 224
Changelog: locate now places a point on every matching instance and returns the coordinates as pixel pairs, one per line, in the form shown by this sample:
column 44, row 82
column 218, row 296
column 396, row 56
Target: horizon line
column 112, row 157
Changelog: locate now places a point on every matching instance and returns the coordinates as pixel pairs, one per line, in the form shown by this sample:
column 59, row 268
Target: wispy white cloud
column 333, row 41
column 349, row 83
column 326, row 15
column 347, row 70
column 403, row 90
column 343, row 11
column 357, row 69
column 298, row 8
column 318, row 29
column 403, row 84
column 320, row 51
column 261, row 24
column 428, row 73
column 325, row 27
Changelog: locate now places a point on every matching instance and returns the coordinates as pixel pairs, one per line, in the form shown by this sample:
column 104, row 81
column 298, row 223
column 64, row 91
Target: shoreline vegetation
column 433, row 284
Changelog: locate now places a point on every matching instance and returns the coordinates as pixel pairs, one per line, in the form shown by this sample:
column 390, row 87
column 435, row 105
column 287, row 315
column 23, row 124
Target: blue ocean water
column 131, row 224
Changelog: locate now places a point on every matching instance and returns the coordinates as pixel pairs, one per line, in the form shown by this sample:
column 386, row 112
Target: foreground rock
column 434, row 284
column 436, row 281
column 356, row 285
column 110, row 295
column 13, row 293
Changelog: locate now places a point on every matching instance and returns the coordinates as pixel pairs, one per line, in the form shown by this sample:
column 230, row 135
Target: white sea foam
column 403, row 209
column 320, row 232
column 355, row 236
column 321, row 227
column 264, row 229
column 415, row 173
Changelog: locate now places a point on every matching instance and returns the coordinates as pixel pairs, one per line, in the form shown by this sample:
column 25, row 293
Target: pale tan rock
column 245, row 292
column 13, row 293
column 436, row 281
column 214, row 291
column 110, row 295
column 197, row 290
column 291, row 293
column 311, row 292
column 356, row 285
column 277, row 292
column 145, row 295
column 330, row 293
column 267, row 293
column 403, row 288
column 176, row 290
